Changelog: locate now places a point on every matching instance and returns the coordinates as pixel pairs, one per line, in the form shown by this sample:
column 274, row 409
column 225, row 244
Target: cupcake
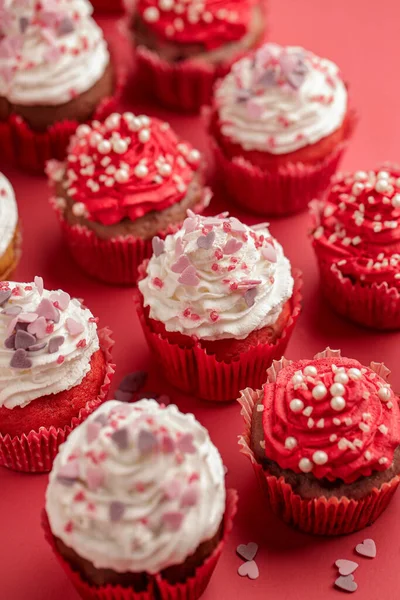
column 280, row 124
column 124, row 183
column 136, row 506
column 218, row 302
column 183, row 47
column 356, row 237
column 10, row 239
column 323, row 436
column 55, row 369
column 55, row 71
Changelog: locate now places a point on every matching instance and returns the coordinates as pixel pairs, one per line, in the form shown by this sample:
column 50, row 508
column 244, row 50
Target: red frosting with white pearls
column 357, row 227
column 124, row 168
column 211, row 23
column 330, row 417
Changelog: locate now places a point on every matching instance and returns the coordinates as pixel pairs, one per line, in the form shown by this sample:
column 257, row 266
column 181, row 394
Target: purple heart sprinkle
column 121, row 438
column 173, row 520
column 37, row 347
column 9, row 343
column 123, row 396
column 4, row 296
column 23, row 24
column 249, row 296
column 27, row 317
column 69, row 471
column 185, row 444
column 117, row 510
column 232, row 246
column 20, row 360
column 55, row 343
column 93, row 429
column 23, row 339
column 21, row 327
column 94, row 477
column 102, row 419
column 206, row 241
column 133, row 382
column 147, row 441
column 158, row 246
column 65, row 26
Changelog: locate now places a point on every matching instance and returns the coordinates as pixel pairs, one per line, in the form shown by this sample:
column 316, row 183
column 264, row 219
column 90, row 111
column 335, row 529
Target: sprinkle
column 305, row 465
column 320, row 457
column 368, row 455
column 321, row 424
column 310, row 423
column 308, row 411
column 290, row 443
column 319, row 391
column 116, row 511
column 383, row 429
column 333, row 437
column 336, row 421
column 364, row 427
column 383, row 460
column 296, row 405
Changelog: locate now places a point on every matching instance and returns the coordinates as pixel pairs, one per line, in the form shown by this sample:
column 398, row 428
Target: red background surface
column 363, row 38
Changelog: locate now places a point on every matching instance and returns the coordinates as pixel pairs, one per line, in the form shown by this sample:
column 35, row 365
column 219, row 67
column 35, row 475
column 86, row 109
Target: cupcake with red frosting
column 280, row 123
column 218, row 302
column 183, row 47
column 55, row 72
column 55, row 369
column 136, row 506
column 124, row 182
column 323, row 436
column 356, row 238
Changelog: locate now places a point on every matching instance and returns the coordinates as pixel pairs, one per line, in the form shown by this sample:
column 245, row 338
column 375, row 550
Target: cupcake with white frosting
column 55, row 71
column 10, row 238
column 280, row 124
column 150, row 514
column 55, row 369
column 218, row 301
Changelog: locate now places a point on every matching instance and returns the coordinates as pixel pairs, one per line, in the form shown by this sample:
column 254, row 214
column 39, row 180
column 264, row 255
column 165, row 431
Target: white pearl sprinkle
column 357, row 189
column 321, row 423
column 360, row 176
column 396, row 201
column 290, row 443
column 383, row 460
column 384, row 394
column 104, row 147
column 337, row 389
column 307, row 412
column 310, row 371
column 78, row 208
column 305, row 465
column 95, row 139
column 296, row 405
column 113, row 121
column 338, row 403
column 194, row 156
column 320, row 457
column 381, row 186
column 383, row 429
column 368, row 455
column 319, row 392
column 310, row 423
column 141, row 171
column 383, row 175
column 336, row 421
column 151, row 14
column 165, row 170
column 341, row 378
column 298, row 378
column 165, row 4
column 144, row 135
column 120, row 146
column 82, row 131
column 354, row 374
column 333, row 437
column 121, row 176
column 364, row 427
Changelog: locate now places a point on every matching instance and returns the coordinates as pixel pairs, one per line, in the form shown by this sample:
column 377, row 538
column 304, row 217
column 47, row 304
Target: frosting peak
column 46, row 342
column 125, row 167
column 217, row 278
column 330, row 416
column 137, row 487
column 281, row 99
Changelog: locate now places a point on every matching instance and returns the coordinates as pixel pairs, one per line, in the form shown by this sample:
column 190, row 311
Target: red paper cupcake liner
column 158, row 588
column 376, row 306
column 117, row 260
column 198, row 373
column 284, row 191
column 27, row 149
column 35, row 452
column 320, row 516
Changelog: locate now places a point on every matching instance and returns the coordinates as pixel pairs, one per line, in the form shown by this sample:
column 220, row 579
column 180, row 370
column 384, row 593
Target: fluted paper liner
column 320, row 516
column 35, row 452
column 158, row 587
column 282, row 191
column 198, row 373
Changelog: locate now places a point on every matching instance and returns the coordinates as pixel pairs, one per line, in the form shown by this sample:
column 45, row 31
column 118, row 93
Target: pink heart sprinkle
column 249, row 296
column 27, row 317
column 367, row 548
column 158, row 246
column 173, row 520
column 346, row 567
column 247, row 551
column 62, row 299
column 232, row 246
column 189, row 277
column 147, row 441
column 181, row 264
column 172, row 489
column 346, row 583
column 185, row 444
column 249, row 569
column 38, row 281
column 269, row 253
column 190, row 496
column 70, row 470
column 73, row 327
column 190, row 225
column 94, row 477
column 38, row 328
column 178, row 247
column 206, row 241
column 47, row 310
column 167, row 444
column 92, row 431
column 254, row 109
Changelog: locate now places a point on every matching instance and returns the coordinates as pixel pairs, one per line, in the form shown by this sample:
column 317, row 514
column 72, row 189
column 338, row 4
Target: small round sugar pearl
column 320, row 457
column 151, row 14
column 310, row 371
column 165, row 170
column 360, row 176
column 341, row 378
column 290, row 443
column 194, row 156
column 381, row 186
column 319, row 392
column 78, row 209
column 113, row 121
column 141, row 171
column 82, row 131
column 305, row 465
column 121, row 176
column 354, row 374
column 297, row 379
column 165, row 4
column 337, row 389
column 338, row 403
column 95, row 139
column 383, row 175
column 104, row 147
column 144, row 135
column 296, row 405
column 384, row 394
column 120, row 146
column 396, row 201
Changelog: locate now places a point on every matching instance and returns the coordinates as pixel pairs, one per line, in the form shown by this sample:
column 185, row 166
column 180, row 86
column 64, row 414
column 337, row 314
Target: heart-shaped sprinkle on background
column 232, row 246
column 346, row 567
column 55, row 343
column 346, row 584
column 158, row 246
column 249, row 569
column 189, row 277
column 247, row 551
column 74, row 327
column 367, row 548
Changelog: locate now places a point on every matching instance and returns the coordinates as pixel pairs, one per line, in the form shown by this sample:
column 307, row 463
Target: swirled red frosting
column 342, row 432
column 357, row 227
column 127, row 167
column 210, row 23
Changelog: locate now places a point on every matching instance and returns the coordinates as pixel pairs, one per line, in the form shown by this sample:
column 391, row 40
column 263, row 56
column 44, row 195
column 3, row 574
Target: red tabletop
column 363, row 38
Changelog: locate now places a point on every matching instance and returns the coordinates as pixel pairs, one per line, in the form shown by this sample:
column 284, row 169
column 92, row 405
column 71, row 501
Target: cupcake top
column 211, row 23
column 217, row 278
column 281, row 99
column 8, row 213
column 331, row 417
column 137, row 487
column 50, row 51
column 124, row 168
column 46, row 342
column 358, row 225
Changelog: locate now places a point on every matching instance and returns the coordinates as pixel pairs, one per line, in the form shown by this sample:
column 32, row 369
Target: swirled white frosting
column 281, row 99
column 50, row 54
column 156, row 493
column 8, row 213
column 238, row 284
column 48, row 373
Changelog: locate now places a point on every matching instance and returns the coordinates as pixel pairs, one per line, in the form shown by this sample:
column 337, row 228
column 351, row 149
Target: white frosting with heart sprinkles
column 136, row 488
column 8, row 213
column 217, row 278
column 46, row 342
